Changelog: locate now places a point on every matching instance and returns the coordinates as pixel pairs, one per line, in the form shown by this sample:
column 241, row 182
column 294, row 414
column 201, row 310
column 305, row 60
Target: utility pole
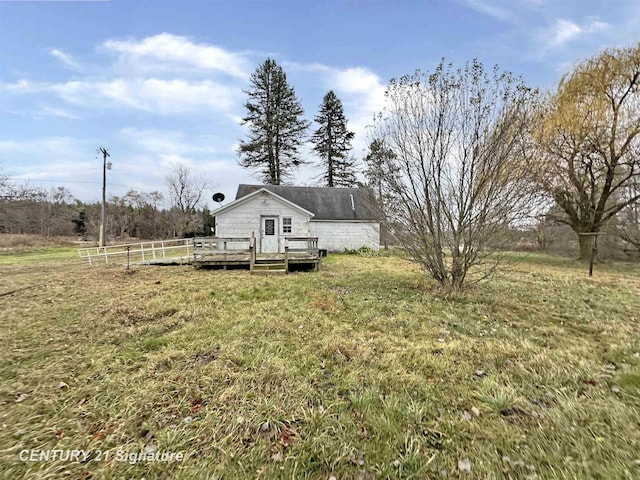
column 105, row 167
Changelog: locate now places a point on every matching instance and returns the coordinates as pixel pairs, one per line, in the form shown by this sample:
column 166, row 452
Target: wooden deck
column 225, row 253
column 298, row 253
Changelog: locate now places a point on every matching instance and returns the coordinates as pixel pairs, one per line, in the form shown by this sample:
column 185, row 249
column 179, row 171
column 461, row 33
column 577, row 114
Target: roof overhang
column 262, row 191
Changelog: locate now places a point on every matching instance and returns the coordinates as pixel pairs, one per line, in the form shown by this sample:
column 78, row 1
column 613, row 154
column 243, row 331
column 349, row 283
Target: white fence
column 142, row 253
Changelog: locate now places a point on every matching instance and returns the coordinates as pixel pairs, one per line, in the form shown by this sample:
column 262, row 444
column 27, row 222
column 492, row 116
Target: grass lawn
column 359, row 371
column 14, row 257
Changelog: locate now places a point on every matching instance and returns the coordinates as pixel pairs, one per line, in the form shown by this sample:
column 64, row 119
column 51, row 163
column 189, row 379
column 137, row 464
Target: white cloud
column 41, row 112
column 167, row 51
column 207, row 155
column 149, row 74
column 490, row 9
column 166, row 97
column 51, row 161
column 172, row 142
column 564, row 31
column 357, row 80
column 57, row 112
column 55, row 145
column 536, row 30
column 64, row 58
column 24, row 86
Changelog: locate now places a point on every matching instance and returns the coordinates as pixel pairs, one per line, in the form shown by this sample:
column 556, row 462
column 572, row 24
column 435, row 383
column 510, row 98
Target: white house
column 341, row 218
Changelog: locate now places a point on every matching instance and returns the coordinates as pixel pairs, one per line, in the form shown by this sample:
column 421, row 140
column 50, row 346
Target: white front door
column 269, row 237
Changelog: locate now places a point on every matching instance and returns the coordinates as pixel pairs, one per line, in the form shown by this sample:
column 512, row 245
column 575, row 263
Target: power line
column 35, row 180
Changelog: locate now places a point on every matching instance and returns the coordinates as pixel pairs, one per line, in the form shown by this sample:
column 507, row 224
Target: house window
column 287, row 223
column 269, row 226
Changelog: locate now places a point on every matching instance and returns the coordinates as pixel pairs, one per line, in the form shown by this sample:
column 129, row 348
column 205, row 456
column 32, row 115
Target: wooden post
column 252, row 252
column 153, row 250
column 286, row 259
column 594, row 248
column 593, row 254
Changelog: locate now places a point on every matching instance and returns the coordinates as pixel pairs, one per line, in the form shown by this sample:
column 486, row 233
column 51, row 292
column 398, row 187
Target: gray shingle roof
column 326, row 203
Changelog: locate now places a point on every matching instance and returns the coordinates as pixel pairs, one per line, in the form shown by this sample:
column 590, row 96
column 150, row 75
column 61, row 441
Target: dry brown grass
column 26, row 241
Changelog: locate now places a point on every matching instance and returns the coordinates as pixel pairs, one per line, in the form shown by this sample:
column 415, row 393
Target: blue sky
column 160, row 82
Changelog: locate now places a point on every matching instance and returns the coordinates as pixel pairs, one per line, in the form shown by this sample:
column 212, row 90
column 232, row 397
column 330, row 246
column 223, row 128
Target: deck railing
column 206, row 246
column 220, row 247
column 215, row 245
column 301, row 244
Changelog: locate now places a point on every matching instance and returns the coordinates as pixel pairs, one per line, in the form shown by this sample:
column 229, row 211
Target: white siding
column 244, row 219
column 336, row 236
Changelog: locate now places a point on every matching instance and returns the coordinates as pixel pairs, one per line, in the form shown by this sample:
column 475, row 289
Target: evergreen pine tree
column 378, row 168
column 276, row 126
column 332, row 142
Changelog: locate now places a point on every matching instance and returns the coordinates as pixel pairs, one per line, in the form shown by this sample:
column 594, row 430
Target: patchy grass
column 359, row 371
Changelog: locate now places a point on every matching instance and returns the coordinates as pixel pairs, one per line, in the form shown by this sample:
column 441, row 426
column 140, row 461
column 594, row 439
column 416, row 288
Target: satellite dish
column 218, row 197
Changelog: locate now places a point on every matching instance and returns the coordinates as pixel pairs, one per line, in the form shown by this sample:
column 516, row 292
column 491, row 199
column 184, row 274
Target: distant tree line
column 25, row 209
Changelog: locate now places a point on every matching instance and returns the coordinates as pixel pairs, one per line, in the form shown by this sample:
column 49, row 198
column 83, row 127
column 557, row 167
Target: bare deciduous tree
column 185, row 191
column 628, row 225
column 20, row 207
column 456, row 171
column 56, row 207
column 4, row 183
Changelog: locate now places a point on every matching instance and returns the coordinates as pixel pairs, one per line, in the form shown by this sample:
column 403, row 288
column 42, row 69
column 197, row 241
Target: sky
column 160, row 82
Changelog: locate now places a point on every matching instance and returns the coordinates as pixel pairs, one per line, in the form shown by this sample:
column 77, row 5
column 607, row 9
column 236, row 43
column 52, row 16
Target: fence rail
column 139, row 253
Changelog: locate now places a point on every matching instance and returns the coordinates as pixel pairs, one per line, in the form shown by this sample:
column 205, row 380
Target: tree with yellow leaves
column 588, row 142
